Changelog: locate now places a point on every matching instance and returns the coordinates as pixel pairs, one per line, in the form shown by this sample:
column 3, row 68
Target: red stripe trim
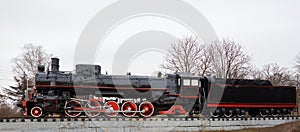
column 190, row 97
column 253, row 105
column 100, row 87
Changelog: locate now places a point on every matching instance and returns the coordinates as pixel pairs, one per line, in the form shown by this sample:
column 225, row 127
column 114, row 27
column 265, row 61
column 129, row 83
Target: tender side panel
column 247, row 95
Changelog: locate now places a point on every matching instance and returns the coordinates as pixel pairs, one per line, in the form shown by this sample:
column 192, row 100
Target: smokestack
column 54, row 64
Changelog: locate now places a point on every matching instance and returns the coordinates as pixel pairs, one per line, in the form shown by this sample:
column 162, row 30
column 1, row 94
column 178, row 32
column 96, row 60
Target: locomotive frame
column 90, row 93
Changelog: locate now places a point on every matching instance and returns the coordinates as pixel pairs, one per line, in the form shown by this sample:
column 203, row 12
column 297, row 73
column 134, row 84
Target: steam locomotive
column 87, row 92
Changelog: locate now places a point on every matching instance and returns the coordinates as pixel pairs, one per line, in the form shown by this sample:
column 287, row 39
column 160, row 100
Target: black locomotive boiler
column 87, row 92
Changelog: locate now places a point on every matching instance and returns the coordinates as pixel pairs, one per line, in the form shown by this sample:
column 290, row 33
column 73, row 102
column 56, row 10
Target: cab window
column 195, row 82
column 186, row 82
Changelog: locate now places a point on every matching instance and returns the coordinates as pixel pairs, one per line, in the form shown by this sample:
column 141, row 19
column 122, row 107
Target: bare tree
column 26, row 63
column 224, row 59
column 256, row 73
column 183, row 56
column 298, row 63
column 277, row 75
column 25, row 67
column 204, row 67
column 296, row 80
column 296, row 76
column 31, row 56
column 229, row 60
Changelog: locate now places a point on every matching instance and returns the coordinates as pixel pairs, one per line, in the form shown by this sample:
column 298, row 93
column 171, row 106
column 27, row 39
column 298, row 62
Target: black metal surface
column 252, row 94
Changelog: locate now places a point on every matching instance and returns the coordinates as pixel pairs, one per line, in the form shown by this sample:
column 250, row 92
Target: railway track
column 139, row 124
column 156, row 118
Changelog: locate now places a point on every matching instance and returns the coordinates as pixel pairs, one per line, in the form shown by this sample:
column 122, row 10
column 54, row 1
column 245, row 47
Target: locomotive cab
column 190, row 93
column 189, row 86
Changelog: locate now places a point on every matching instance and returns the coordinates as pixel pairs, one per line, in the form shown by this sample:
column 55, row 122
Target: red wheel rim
column 72, row 104
column 113, row 107
column 129, row 106
column 36, row 111
column 148, row 109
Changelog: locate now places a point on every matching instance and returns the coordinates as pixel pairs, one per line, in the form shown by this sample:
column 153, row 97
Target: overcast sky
column 268, row 29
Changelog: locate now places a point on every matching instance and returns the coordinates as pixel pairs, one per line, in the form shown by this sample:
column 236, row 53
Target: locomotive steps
column 139, row 124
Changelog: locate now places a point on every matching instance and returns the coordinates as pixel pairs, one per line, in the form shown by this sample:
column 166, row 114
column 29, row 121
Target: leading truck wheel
column 146, row 109
column 70, row 108
column 36, row 111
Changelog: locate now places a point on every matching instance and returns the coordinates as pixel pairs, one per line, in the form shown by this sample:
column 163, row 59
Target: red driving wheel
column 112, row 107
column 127, row 107
column 146, row 108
